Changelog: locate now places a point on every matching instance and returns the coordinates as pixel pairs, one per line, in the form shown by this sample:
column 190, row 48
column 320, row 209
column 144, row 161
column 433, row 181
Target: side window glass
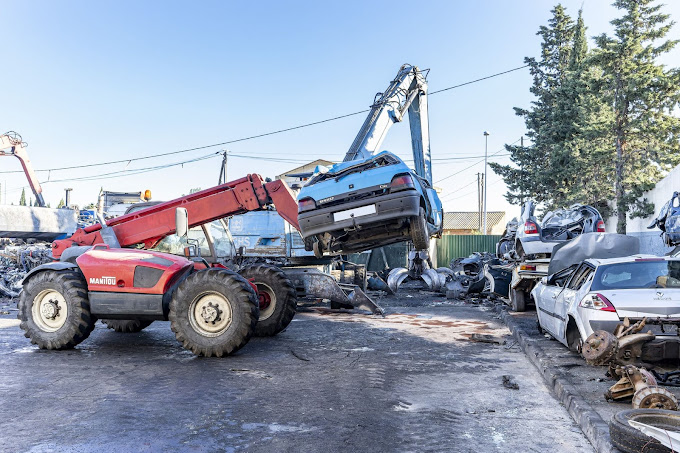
column 582, row 276
column 174, row 245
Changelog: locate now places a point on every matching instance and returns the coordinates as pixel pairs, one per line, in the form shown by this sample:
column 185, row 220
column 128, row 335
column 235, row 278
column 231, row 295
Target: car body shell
column 356, row 209
column 558, row 300
column 546, row 236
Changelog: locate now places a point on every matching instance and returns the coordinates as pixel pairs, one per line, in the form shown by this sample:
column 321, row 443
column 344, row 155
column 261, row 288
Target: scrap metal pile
column 16, row 259
column 479, row 273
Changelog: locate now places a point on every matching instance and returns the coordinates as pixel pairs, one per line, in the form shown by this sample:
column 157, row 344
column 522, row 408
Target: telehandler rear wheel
column 214, row 312
column 54, row 310
column 127, row 325
column 277, row 297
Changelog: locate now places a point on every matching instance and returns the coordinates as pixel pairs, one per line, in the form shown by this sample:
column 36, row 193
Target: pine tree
column 22, row 199
column 535, row 176
column 61, row 204
column 642, row 132
column 580, row 168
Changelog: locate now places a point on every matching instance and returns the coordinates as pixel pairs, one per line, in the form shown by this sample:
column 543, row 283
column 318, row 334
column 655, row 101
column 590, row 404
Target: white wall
column 650, row 239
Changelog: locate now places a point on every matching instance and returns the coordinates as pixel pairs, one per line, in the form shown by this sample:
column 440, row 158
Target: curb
column 593, row 426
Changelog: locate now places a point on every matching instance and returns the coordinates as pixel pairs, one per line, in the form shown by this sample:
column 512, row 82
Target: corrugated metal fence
column 452, row 246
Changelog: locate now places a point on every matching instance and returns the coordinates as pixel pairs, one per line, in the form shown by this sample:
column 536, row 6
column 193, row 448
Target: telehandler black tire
column 419, row 234
column 214, row 312
column 54, row 309
column 127, row 325
column 277, row 298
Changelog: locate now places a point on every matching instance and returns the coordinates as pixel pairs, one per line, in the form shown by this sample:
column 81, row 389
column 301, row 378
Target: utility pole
column 486, row 152
column 68, row 198
column 480, row 195
column 223, row 171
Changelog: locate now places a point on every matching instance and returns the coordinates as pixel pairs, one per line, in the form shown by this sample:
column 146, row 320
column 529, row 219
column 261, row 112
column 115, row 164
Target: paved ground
column 412, row 381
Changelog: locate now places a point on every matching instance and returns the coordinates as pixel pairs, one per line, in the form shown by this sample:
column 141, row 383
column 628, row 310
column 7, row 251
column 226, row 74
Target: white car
column 597, row 294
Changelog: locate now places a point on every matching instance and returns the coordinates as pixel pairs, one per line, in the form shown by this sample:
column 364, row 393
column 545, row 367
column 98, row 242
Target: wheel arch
column 56, row 266
column 571, row 327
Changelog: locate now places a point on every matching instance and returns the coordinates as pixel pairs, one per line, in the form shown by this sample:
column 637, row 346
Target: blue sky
column 87, row 82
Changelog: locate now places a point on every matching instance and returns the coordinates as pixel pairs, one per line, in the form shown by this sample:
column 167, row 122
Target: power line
column 280, row 131
column 478, row 162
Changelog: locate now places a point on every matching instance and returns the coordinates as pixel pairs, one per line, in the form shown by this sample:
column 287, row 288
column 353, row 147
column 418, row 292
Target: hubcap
column 210, row 314
column 49, row 310
column 267, row 299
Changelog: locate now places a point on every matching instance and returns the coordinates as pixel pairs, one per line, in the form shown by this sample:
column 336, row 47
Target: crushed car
column 362, row 204
column 668, row 221
column 599, row 280
column 534, row 238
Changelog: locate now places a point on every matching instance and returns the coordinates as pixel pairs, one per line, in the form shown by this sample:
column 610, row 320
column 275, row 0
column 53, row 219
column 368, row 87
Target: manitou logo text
column 103, row 281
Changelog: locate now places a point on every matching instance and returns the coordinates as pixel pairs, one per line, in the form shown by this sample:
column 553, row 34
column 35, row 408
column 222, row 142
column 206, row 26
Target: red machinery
column 212, row 311
column 151, row 225
column 11, row 144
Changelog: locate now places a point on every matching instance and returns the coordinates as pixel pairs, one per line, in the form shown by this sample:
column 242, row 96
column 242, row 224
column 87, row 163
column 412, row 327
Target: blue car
column 366, row 203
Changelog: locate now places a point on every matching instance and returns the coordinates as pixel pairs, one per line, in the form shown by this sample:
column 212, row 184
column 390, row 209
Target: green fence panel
column 452, row 246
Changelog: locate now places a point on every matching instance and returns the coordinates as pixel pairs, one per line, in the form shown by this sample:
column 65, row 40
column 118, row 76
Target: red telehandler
column 212, row 310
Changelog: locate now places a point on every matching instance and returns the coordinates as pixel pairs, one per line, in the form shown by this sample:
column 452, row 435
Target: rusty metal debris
column 16, row 259
column 620, row 350
column 640, row 384
column 623, row 347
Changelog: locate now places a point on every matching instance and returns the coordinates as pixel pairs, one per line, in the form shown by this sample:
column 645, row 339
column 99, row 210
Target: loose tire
column 518, row 301
column 213, row 312
column 276, row 295
column 419, row 234
column 127, row 325
column 630, row 440
column 54, row 310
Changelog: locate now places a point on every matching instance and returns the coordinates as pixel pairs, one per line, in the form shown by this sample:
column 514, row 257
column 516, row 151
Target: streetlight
column 486, row 150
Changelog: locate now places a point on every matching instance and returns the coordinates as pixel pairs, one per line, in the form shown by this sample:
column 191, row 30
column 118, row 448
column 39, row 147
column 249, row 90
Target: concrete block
column 40, row 223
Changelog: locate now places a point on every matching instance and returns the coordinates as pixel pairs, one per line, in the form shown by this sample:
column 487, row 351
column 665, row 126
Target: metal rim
column 210, row 314
column 267, row 300
column 49, row 310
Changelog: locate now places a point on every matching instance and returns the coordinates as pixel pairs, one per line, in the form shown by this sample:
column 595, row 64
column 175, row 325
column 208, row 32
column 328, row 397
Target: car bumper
column 533, row 245
column 390, row 207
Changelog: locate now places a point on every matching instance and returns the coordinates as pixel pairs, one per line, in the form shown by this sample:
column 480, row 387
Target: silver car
column 597, row 294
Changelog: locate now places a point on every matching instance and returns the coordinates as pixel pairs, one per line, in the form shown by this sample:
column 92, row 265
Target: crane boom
column 407, row 92
column 150, row 225
column 11, row 144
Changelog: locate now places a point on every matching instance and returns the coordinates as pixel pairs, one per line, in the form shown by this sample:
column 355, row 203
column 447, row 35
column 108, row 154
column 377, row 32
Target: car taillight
column 306, row 204
column 401, row 182
column 527, row 267
column 530, row 227
column 597, row 302
column 600, row 226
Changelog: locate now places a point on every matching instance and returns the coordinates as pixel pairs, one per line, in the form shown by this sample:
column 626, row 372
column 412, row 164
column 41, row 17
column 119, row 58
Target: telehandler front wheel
column 54, row 309
column 276, row 295
column 214, row 312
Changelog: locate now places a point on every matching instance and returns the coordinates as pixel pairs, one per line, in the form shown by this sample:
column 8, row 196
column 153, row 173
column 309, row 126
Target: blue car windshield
column 344, row 170
column 638, row 274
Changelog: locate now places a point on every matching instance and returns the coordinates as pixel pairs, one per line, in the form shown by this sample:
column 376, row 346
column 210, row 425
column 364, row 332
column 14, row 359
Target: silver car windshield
column 638, row 274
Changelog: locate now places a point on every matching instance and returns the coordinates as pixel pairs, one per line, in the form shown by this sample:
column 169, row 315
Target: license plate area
column 356, row 212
